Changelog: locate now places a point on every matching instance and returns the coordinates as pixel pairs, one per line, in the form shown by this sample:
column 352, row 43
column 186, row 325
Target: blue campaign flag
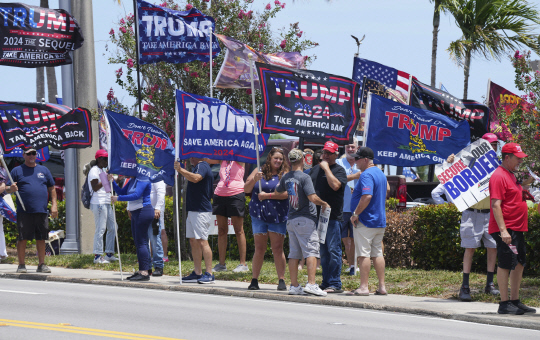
column 140, row 149
column 403, row 135
column 174, row 36
column 8, row 209
column 42, row 154
column 209, row 128
column 408, row 173
column 444, row 88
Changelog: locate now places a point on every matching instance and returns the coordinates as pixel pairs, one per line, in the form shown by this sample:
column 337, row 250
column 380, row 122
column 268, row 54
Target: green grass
column 414, row 282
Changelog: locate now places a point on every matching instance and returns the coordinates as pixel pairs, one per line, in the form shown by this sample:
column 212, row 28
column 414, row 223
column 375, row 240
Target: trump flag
column 139, row 149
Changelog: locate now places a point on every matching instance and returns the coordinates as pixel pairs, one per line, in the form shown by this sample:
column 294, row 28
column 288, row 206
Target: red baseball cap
column 102, row 153
column 490, row 137
column 514, row 149
column 331, row 146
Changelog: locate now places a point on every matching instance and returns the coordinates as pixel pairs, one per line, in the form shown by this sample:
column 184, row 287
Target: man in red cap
column 330, row 180
column 100, row 204
column 507, row 223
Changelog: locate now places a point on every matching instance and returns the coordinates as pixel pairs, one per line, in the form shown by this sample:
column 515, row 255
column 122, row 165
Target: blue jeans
column 155, row 243
column 331, row 256
column 141, row 220
column 104, row 218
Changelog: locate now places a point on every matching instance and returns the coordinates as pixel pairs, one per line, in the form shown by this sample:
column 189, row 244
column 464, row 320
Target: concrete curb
column 491, row 319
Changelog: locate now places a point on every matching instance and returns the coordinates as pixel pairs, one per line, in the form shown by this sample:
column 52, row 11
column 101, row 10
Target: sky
column 398, row 34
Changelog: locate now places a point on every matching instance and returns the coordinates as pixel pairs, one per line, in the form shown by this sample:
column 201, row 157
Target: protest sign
column 403, row 135
column 328, row 112
column 32, row 36
column 139, row 149
column 209, row 128
column 40, row 125
column 174, row 36
column 466, row 181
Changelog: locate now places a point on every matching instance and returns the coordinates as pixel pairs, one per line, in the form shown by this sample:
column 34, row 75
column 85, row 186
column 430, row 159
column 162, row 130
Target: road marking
column 19, row 292
column 81, row 330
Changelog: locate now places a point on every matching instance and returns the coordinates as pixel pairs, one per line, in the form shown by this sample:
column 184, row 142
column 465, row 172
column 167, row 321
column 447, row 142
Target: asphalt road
column 52, row 310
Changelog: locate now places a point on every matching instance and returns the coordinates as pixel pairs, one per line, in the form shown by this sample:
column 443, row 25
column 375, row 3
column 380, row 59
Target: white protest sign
column 466, row 181
column 214, row 228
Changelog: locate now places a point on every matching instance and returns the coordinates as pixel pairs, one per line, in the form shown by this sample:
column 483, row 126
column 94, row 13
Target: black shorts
column 32, row 226
column 346, row 226
column 506, row 257
column 229, row 206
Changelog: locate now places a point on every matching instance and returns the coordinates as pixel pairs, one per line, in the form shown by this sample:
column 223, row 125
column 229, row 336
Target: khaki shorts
column 474, row 230
column 303, row 238
column 368, row 241
column 198, row 225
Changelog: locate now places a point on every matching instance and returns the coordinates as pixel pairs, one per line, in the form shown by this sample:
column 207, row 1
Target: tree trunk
column 52, row 89
column 466, row 69
column 436, row 21
column 40, row 84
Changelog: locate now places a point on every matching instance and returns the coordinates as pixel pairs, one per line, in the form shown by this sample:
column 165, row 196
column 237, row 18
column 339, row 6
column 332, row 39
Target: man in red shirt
column 507, row 223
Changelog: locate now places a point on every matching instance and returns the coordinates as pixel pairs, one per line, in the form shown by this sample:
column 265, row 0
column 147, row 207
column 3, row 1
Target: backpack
column 86, row 194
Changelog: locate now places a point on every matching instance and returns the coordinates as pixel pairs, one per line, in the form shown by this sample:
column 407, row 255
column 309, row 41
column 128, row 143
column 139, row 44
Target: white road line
column 19, row 292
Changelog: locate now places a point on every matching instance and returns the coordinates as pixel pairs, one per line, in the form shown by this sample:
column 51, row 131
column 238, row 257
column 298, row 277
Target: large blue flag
column 209, row 128
column 42, row 154
column 403, row 135
column 174, row 36
column 140, row 149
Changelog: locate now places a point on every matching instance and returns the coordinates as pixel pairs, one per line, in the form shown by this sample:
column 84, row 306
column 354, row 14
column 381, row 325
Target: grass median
column 414, row 282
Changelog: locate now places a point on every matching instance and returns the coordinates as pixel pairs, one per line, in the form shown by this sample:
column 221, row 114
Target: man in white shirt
column 100, row 204
column 157, row 197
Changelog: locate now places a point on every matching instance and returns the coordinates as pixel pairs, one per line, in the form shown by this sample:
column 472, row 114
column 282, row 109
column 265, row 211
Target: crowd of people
column 287, row 198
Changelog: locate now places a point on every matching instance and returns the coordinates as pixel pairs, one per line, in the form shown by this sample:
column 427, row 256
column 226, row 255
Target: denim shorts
column 262, row 227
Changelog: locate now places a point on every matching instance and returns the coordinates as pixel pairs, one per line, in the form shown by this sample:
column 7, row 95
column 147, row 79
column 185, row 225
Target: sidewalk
column 479, row 312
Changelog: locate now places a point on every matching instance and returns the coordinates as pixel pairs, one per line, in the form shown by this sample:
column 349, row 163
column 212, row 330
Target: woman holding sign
column 268, row 213
column 229, row 201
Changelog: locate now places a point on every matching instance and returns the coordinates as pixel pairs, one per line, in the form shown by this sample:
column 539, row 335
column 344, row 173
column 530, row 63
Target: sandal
column 331, row 290
column 378, row 292
column 356, row 293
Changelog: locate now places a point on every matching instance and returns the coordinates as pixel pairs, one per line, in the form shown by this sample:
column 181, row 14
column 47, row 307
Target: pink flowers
column 517, row 55
column 130, row 63
column 283, row 43
column 189, row 6
column 118, row 73
column 261, row 46
column 299, row 34
column 111, row 32
column 527, row 79
column 283, row 5
column 194, row 74
column 186, row 68
column 163, row 4
column 122, row 21
column 110, row 95
column 205, row 64
column 206, row 0
column 123, row 29
column 243, row 14
column 537, row 137
column 277, row 2
column 268, row 7
column 248, row 91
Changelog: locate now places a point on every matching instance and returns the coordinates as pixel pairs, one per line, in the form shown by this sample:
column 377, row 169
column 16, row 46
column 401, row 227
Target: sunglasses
column 31, row 153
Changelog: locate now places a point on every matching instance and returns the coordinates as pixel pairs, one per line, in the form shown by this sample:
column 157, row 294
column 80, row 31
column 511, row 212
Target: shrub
column 399, row 238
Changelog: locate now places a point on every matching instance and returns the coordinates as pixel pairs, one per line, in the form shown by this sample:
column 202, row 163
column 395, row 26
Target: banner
column 466, row 181
column 7, row 208
column 234, row 72
column 375, row 87
column 33, row 36
column 328, row 112
column 500, row 100
column 212, row 129
column 174, row 36
column 40, row 125
column 389, row 76
column 139, row 149
column 42, row 154
column 433, row 99
column 403, row 135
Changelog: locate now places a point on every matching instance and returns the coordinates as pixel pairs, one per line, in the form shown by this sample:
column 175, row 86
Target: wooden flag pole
column 136, row 22
column 176, row 148
column 255, row 123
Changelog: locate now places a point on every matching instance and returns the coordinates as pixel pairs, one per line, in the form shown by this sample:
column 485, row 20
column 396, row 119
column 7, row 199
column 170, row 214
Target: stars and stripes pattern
column 388, row 76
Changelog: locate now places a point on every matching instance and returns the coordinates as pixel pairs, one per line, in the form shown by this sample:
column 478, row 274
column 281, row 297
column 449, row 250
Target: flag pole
column 136, row 22
column 11, row 180
column 488, row 95
column 255, row 123
column 107, row 124
column 410, row 90
column 210, row 36
column 176, row 148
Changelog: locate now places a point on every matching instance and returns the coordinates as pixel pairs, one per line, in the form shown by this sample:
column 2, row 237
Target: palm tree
column 490, row 29
column 440, row 6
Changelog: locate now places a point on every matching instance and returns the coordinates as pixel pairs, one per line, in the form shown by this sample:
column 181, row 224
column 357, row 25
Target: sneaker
column 490, row 289
column 42, row 268
column 241, row 268
column 522, row 306
column 281, row 285
column 21, row 268
column 166, row 259
column 140, row 277
column 132, row 276
column 206, row 278
column 351, row 270
column 220, row 268
column 254, row 285
column 507, row 307
column 296, row 290
column 465, row 294
column 110, row 258
column 100, row 260
column 158, row 272
column 314, row 289
column 191, row 278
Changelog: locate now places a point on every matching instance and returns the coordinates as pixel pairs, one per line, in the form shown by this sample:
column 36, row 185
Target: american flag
column 390, row 77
